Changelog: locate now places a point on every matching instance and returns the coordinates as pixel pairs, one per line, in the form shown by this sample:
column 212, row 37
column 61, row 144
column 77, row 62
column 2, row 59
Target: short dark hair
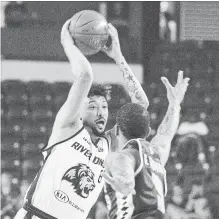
column 133, row 120
column 97, row 90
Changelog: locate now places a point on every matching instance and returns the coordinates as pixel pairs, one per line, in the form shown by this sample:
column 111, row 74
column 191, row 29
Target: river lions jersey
column 150, row 186
column 71, row 177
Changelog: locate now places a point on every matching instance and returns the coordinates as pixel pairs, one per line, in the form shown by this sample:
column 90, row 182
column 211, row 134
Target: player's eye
column 92, row 107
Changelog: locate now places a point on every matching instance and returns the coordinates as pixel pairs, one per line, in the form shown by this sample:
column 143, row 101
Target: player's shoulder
column 142, row 145
column 136, row 143
column 62, row 134
column 148, row 148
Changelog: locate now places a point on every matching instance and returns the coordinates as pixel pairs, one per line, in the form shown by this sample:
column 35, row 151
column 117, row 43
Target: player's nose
column 100, row 112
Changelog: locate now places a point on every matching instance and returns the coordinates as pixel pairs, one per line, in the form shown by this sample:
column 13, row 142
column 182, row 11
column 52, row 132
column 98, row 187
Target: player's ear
column 117, row 130
column 149, row 132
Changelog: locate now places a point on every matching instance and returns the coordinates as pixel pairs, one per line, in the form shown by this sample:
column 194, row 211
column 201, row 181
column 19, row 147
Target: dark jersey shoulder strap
column 138, row 147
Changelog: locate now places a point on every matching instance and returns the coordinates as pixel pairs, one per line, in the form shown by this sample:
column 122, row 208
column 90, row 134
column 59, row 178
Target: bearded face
column 95, row 114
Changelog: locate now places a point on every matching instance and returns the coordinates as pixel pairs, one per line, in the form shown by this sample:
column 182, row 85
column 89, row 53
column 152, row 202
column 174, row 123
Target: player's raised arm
column 135, row 90
column 82, row 75
column 167, row 129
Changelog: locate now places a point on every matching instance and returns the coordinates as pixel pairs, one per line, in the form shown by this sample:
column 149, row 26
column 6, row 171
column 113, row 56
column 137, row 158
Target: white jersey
column 70, row 181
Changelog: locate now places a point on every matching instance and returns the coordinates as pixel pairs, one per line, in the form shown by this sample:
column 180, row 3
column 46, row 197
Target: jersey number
column 100, row 176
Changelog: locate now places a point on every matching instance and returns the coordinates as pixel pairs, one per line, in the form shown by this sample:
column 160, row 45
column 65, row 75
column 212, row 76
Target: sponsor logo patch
column 61, row 196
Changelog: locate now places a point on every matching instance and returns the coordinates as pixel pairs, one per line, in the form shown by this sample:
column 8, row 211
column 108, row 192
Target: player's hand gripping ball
column 89, row 30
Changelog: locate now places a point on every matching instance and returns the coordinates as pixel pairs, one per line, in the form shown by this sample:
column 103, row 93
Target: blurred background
column 157, row 39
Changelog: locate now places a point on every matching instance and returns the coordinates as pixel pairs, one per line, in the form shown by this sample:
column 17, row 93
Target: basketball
column 89, row 31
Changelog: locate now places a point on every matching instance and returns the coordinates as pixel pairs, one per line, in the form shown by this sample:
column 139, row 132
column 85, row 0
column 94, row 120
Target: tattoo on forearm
column 131, row 83
column 170, row 122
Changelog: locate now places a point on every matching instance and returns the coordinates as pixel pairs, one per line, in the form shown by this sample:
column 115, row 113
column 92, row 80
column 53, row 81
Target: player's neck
column 122, row 141
column 93, row 136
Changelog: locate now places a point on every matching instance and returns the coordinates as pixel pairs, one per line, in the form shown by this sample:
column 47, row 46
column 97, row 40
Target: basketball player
column 135, row 174
column 70, row 180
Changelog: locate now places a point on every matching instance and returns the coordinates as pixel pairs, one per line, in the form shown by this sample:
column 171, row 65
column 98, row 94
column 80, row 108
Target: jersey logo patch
column 81, row 178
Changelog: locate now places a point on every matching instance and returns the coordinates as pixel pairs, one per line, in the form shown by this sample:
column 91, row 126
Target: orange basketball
column 89, row 31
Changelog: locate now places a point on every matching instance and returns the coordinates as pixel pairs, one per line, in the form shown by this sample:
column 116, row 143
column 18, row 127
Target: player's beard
column 94, row 129
column 97, row 133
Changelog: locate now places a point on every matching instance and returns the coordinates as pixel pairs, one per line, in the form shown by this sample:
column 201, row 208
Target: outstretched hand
column 121, row 184
column 176, row 94
column 114, row 51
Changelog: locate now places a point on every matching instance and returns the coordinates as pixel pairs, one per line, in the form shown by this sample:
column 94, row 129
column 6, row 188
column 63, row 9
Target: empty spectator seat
column 32, row 165
column 17, row 113
column 11, row 138
column 33, row 143
column 13, row 87
column 118, row 96
column 60, row 92
column 150, row 90
column 39, row 92
column 10, row 162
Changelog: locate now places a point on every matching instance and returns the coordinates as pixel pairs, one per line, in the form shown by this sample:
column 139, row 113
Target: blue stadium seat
column 12, row 86
column 10, row 162
column 150, row 90
column 41, row 129
column 41, row 111
column 199, row 85
column 60, row 92
column 59, row 100
column 29, row 175
column 213, row 132
column 216, row 81
column 41, row 116
column 14, row 91
column 118, row 96
column 159, row 105
column 33, row 142
column 17, row 113
column 39, row 91
column 60, row 87
column 11, row 139
column 213, row 118
column 31, row 164
column 198, row 101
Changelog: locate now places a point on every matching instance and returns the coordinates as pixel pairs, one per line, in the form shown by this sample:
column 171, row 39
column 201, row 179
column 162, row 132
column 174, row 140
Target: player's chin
column 100, row 130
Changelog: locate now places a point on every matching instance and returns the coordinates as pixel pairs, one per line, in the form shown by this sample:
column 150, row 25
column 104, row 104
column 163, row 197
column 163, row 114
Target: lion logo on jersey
column 82, row 179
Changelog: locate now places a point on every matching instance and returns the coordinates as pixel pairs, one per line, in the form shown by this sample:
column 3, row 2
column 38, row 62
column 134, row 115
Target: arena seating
column 28, row 111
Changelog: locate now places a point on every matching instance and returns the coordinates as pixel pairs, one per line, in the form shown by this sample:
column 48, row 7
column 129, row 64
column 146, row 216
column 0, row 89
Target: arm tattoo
column 161, row 142
column 170, row 122
column 134, row 87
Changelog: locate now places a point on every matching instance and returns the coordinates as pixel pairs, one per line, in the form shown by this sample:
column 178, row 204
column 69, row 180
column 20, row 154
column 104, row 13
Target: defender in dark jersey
column 135, row 173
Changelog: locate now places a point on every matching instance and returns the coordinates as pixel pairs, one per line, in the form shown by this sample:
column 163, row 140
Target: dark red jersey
column 150, row 186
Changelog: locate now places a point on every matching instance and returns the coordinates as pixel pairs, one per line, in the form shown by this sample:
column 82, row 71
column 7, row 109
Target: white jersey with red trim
column 71, row 179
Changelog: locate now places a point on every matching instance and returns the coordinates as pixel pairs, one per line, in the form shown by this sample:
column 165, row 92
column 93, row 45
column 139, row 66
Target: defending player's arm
column 135, row 90
column 82, row 75
column 120, row 170
column 167, row 129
